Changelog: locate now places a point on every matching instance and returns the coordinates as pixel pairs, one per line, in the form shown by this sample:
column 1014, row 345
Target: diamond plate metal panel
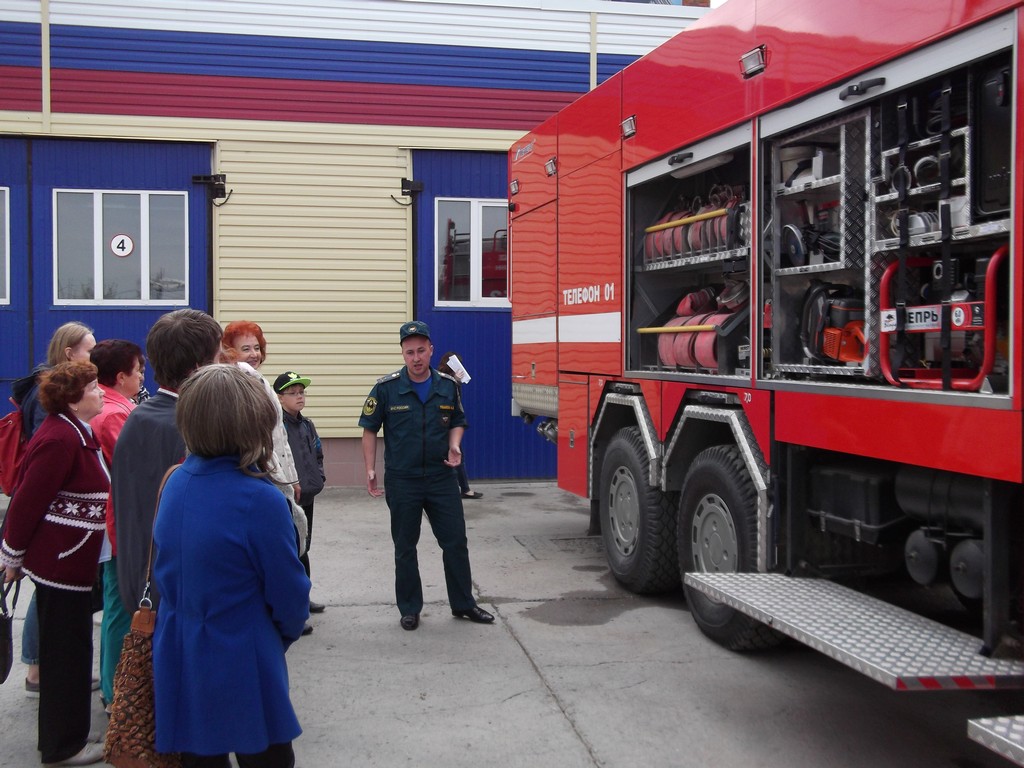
column 1003, row 735
column 854, row 207
column 888, row 644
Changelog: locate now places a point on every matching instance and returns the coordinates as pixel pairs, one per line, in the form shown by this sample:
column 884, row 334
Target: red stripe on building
column 245, row 98
column 22, row 89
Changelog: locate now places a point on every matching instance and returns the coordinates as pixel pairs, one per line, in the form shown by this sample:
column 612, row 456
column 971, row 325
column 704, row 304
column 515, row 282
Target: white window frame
column 476, row 299
column 99, row 246
column 5, row 241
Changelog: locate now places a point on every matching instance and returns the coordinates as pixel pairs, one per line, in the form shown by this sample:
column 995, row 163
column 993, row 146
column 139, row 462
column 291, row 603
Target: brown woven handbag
column 131, row 734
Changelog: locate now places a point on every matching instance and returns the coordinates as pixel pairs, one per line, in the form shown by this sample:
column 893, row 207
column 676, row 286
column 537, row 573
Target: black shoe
column 476, row 613
column 411, row 621
column 307, row 630
column 316, row 607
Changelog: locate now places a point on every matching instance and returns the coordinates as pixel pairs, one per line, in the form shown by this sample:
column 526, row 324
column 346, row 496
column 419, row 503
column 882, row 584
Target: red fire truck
column 767, row 300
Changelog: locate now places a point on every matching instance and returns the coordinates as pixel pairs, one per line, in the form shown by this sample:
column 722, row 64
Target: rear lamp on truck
column 513, row 187
column 551, row 166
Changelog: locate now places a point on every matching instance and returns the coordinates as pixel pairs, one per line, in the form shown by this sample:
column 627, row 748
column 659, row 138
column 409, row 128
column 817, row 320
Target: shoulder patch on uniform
column 389, row 377
column 370, row 406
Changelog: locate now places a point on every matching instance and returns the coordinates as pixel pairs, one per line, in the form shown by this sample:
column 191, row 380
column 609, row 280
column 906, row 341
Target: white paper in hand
column 459, row 369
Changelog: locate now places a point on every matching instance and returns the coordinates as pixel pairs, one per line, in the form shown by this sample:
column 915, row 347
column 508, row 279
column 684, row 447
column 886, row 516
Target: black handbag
column 7, row 628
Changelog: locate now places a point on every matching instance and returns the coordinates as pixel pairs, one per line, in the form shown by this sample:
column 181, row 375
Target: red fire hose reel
column 966, row 316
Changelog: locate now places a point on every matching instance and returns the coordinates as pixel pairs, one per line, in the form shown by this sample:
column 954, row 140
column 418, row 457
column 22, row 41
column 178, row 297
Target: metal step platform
column 897, row 648
column 1003, row 735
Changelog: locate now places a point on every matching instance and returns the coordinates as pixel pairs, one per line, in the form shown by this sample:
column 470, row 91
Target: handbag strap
column 146, row 601
column 6, row 590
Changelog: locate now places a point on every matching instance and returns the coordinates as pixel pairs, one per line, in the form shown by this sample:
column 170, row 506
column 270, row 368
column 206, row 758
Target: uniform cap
column 414, row 328
column 287, row 379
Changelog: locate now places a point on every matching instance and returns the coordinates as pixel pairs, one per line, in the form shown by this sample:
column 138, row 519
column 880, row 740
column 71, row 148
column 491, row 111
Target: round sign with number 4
column 122, row 245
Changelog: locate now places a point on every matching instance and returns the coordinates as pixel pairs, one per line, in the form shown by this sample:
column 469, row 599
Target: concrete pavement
column 574, row 672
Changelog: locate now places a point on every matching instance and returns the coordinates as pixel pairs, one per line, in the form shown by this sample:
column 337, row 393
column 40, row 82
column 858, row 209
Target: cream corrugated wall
column 314, row 246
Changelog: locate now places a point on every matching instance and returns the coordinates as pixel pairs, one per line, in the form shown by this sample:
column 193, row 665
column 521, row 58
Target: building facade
column 327, row 169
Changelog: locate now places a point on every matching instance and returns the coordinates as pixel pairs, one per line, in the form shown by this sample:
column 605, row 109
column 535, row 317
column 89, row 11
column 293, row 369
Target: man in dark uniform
column 421, row 412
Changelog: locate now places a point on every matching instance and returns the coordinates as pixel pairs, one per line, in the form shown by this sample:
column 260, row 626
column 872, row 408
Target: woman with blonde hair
column 72, row 341
column 234, row 595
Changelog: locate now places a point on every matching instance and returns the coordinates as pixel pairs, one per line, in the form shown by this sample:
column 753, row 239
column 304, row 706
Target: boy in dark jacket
column 306, row 449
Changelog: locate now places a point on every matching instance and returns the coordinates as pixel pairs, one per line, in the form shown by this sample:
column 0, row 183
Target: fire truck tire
column 637, row 521
column 718, row 533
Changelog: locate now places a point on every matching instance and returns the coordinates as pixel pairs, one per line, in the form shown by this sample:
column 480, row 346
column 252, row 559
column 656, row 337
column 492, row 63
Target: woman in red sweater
column 53, row 533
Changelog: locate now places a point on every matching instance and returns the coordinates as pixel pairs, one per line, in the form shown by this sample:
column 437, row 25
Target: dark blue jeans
column 439, row 497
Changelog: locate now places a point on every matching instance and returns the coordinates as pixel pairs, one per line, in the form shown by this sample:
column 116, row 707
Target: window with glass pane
column 471, row 252
column 494, row 253
column 122, row 270
column 120, row 247
column 168, row 243
column 5, row 247
column 75, row 250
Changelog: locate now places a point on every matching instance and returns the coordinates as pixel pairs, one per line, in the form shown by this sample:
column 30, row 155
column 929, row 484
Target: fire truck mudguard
column 637, row 520
column 717, row 532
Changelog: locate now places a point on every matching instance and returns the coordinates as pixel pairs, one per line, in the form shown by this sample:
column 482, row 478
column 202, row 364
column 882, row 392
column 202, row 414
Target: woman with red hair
column 244, row 343
column 246, row 338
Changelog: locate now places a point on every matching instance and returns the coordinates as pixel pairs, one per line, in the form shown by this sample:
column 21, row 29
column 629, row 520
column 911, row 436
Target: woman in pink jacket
column 120, row 365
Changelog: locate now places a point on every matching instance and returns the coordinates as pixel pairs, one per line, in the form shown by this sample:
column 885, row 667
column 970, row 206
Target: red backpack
column 12, row 448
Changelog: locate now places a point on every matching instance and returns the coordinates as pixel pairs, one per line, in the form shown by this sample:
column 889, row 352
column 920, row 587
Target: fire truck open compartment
column 881, row 232
column 885, row 233
column 689, row 247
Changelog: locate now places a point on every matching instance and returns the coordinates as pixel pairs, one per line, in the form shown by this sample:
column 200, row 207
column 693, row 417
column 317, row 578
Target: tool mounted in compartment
column 832, row 324
column 970, row 350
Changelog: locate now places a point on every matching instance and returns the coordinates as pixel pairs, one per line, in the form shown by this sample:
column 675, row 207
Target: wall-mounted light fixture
column 551, row 166
column 410, row 186
column 629, row 127
column 700, row 166
column 753, row 62
column 513, row 187
column 216, row 184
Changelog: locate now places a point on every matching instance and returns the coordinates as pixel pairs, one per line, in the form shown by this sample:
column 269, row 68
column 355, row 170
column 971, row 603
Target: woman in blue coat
column 234, row 595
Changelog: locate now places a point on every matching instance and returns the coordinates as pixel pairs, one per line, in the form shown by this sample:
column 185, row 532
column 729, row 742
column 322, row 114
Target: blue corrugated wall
column 497, row 444
column 32, row 168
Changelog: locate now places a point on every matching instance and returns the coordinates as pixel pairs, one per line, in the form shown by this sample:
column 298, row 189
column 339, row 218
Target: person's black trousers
column 438, row 495
column 65, row 671
column 308, row 509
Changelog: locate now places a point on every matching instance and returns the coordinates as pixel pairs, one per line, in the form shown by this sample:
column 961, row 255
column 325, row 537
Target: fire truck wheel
column 637, row 521
column 718, row 534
